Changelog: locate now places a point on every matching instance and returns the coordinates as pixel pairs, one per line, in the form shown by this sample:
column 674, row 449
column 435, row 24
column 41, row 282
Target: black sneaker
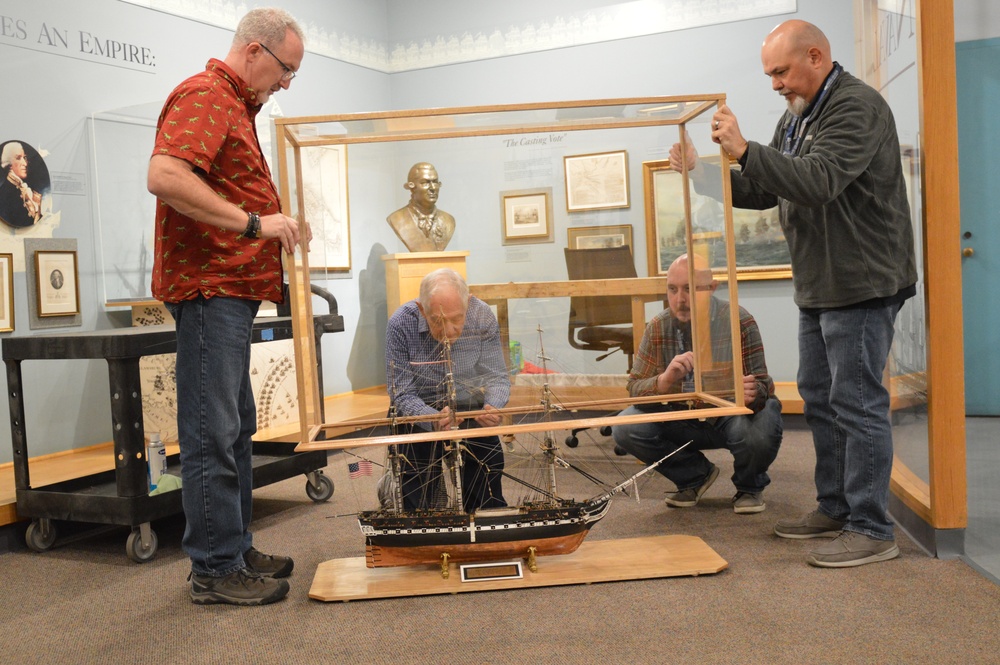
column 268, row 565
column 244, row 587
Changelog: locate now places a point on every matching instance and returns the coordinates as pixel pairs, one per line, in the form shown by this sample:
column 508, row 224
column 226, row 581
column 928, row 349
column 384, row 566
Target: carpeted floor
column 86, row 602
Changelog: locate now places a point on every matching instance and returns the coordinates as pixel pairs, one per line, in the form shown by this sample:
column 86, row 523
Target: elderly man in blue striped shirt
column 447, row 330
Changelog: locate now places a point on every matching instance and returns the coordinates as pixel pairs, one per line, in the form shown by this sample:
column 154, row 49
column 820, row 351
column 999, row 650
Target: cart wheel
column 135, row 550
column 322, row 490
column 40, row 538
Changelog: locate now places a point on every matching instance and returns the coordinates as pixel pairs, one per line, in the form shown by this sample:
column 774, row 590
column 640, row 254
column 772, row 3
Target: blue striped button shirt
column 477, row 361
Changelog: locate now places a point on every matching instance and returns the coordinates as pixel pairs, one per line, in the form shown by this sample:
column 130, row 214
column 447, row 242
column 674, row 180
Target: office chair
column 600, row 323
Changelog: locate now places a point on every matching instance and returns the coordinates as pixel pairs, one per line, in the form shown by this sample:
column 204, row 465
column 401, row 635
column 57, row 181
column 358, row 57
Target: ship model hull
column 394, row 539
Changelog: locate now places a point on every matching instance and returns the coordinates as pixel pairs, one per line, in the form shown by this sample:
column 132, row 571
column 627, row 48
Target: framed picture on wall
column 324, row 171
column 6, row 292
column 592, row 237
column 761, row 250
column 57, row 281
column 526, row 216
column 597, row 181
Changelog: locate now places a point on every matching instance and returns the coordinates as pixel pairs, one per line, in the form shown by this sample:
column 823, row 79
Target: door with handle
column 978, row 79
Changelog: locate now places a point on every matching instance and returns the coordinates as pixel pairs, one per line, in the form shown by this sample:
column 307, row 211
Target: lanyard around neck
column 797, row 129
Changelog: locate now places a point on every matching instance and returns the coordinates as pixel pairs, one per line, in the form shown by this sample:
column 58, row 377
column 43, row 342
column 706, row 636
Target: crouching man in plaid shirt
column 664, row 364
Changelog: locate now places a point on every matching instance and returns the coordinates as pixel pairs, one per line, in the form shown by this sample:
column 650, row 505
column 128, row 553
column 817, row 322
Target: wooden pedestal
column 404, row 271
column 595, row 561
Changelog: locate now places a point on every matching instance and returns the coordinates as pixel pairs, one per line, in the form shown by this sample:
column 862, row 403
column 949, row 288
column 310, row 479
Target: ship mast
column 453, row 448
column 396, row 470
column 548, row 444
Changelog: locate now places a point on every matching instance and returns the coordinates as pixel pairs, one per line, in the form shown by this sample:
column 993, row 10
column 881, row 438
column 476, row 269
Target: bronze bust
column 420, row 224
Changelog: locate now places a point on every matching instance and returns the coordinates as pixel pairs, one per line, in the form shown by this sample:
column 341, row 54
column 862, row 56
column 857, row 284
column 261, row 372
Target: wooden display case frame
column 663, row 115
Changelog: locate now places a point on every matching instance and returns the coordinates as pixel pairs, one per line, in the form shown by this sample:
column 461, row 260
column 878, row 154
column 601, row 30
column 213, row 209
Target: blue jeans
column 842, row 354
column 482, row 471
column 753, row 440
column 216, row 418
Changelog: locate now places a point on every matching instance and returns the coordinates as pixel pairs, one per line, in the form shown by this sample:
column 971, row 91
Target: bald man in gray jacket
column 833, row 168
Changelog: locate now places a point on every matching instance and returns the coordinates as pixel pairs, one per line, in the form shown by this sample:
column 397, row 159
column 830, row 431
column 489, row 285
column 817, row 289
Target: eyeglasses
column 289, row 74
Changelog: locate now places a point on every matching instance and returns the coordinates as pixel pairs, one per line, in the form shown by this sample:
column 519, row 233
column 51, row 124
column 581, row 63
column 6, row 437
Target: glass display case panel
column 525, row 176
column 121, row 142
column 495, row 120
column 895, row 75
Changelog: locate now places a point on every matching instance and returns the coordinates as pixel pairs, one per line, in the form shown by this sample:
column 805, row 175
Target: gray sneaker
column 689, row 498
column 745, row 503
column 850, row 549
column 813, row 525
column 268, row 565
column 244, row 587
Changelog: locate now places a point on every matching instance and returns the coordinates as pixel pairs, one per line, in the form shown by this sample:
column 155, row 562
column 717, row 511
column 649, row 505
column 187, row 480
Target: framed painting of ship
column 761, row 250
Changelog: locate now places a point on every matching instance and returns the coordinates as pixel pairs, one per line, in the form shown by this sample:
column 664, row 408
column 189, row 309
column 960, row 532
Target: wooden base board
column 595, row 561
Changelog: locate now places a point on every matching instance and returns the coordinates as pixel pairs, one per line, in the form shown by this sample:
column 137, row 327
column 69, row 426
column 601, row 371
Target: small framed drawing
column 6, row 292
column 761, row 250
column 593, row 237
column 526, row 216
column 596, row 182
column 56, row 279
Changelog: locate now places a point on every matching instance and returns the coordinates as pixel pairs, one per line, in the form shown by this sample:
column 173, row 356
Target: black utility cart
column 121, row 496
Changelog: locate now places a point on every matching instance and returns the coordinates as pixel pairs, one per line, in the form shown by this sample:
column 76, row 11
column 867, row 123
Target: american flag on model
column 359, row 468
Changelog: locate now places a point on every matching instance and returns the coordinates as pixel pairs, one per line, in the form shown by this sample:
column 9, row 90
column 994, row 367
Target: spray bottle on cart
column 156, row 453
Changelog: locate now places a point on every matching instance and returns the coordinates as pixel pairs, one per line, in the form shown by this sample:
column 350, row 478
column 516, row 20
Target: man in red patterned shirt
column 664, row 364
column 219, row 238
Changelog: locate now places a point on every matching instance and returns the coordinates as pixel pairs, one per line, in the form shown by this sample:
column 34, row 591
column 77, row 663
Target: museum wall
column 57, row 56
column 58, row 53
column 976, row 19
column 722, row 58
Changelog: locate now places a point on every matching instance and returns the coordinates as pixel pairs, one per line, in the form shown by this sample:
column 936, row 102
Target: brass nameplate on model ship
column 485, row 572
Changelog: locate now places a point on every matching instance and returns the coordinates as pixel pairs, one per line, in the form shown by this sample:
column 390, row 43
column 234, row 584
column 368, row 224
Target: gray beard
column 797, row 106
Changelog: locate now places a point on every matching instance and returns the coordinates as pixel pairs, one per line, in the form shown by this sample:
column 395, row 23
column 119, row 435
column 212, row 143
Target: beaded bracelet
column 253, row 226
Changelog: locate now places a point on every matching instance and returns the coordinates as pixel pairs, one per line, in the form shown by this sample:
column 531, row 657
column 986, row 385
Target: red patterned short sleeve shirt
column 208, row 121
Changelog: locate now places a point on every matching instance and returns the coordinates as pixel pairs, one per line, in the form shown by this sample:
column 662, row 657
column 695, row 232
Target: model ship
column 541, row 523
column 545, row 525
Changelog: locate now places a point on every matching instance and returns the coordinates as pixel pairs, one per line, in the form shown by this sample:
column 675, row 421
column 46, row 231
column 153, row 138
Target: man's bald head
column 796, row 57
